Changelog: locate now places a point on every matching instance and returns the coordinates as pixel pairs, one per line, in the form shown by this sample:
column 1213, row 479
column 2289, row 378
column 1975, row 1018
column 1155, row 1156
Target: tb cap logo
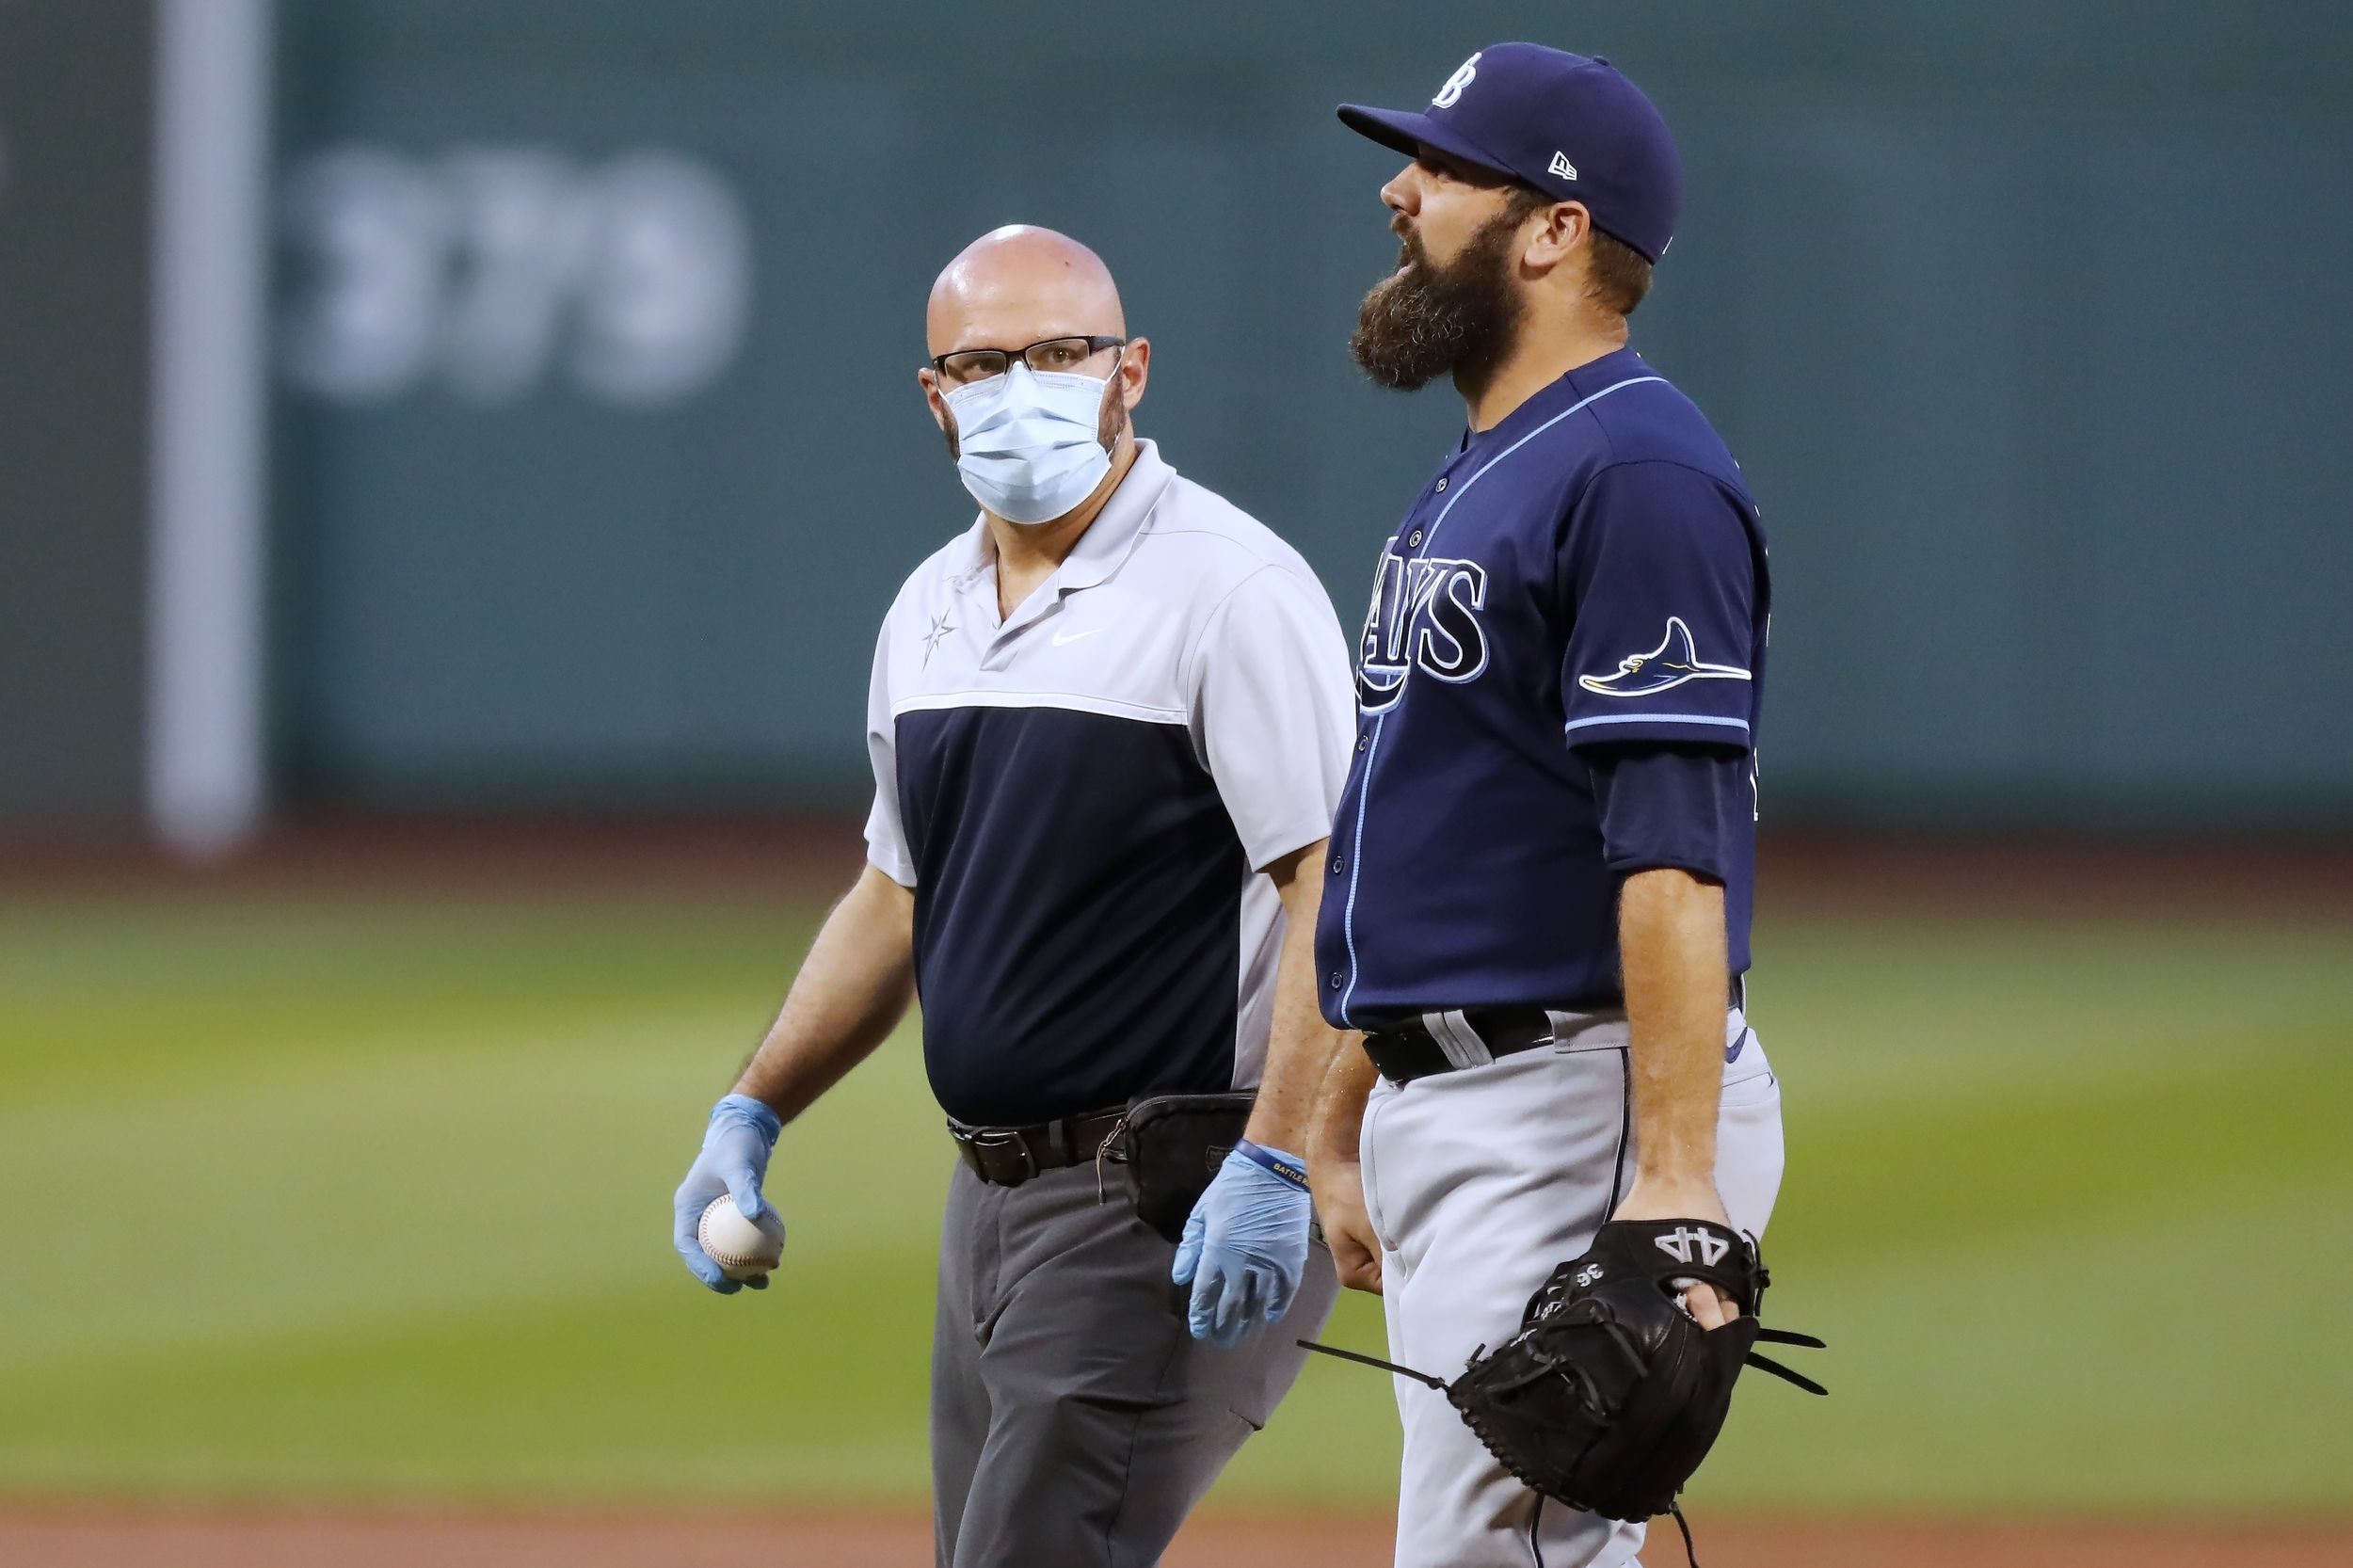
column 1464, row 75
column 1684, row 1242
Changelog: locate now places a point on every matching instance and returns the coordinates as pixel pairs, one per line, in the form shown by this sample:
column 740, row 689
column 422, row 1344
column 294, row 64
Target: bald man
column 1109, row 723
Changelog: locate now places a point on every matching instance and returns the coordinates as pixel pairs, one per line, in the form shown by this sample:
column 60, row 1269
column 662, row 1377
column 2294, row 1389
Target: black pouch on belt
column 1172, row 1145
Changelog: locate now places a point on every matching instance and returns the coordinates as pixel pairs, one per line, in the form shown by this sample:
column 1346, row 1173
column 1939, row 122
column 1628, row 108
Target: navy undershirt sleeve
column 1668, row 805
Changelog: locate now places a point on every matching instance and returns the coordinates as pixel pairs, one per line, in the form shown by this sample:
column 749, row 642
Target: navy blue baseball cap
column 1571, row 125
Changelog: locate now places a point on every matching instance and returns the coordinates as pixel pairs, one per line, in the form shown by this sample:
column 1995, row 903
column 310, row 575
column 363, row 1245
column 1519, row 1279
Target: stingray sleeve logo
column 1424, row 617
column 1674, row 661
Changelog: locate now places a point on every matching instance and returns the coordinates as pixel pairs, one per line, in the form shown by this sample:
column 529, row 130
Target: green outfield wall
column 74, row 107
column 598, row 453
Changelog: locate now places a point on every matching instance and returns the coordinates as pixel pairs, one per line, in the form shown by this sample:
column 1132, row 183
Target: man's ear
column 1135, row 369
column 1565, row 229
column 928, row 379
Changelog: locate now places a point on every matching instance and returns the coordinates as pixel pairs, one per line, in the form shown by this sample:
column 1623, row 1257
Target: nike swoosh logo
column 1061, row 638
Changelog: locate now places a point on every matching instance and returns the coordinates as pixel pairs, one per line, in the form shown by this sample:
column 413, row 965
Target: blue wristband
column 1288, row 1166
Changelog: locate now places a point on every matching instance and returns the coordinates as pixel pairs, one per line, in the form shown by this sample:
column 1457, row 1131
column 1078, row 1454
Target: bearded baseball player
column 1537, row 898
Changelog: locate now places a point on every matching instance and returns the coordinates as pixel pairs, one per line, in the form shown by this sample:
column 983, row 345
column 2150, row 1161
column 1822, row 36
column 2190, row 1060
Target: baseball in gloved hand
column 1245, row 1244
column 735, row 1161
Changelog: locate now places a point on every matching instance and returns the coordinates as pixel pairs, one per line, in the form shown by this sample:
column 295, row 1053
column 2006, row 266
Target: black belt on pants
column 1412, row 1048
column 1009, row 1156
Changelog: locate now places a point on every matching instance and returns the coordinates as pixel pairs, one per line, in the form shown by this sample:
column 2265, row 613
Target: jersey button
column 1442, row 484
column 1335, row 979
column 1363, row 740
column 1417, row 539
column 1339, row 864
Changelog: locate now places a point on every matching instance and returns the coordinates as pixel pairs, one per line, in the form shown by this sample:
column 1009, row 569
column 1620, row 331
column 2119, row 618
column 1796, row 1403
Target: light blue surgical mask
column 1028, row 445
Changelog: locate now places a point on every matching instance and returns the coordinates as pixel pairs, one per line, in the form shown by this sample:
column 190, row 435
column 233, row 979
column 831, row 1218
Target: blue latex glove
column 736, row 1145
column 1245, row 1243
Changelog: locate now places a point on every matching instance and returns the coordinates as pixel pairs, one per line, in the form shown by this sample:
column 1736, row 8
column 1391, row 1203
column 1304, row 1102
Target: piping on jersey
column 1364, row 792
column 1655, row 718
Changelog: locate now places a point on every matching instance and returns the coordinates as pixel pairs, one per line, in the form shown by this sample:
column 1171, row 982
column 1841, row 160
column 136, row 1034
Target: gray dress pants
column 1074, row 1419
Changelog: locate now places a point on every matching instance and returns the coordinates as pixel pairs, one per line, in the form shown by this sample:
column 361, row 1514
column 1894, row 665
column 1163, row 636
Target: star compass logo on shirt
column 1674, row 662
column 936, row 635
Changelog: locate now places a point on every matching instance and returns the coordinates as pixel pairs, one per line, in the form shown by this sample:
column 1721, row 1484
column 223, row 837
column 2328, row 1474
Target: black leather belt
column 1412, row 1048
column 1009, row 1156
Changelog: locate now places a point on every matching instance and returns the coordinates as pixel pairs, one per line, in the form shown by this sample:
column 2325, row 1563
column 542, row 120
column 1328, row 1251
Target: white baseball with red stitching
column 742, row 1248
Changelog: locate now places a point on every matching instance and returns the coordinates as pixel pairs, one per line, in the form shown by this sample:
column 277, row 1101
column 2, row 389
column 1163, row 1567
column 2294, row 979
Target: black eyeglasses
column 968, row 365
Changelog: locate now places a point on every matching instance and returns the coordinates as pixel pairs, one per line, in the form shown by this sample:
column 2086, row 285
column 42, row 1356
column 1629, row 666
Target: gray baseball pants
column 1075, row 1422
column 1476, row 1182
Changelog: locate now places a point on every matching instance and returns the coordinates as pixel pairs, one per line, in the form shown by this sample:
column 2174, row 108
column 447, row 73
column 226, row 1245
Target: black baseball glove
column 1610, row 1394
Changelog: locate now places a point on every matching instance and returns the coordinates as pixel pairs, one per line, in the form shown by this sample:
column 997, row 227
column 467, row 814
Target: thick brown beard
column 1425, row 321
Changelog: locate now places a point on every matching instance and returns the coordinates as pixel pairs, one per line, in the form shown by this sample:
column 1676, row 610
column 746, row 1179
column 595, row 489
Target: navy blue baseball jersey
column 1583, row 583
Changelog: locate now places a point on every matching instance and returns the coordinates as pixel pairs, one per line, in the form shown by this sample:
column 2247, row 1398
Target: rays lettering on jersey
column 1425, row 617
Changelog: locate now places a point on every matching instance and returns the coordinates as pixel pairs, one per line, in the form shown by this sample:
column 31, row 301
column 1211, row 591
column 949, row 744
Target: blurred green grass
column 368, row 1196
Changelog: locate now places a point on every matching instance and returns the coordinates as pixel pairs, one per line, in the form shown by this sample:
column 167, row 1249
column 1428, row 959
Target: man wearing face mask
column 1108, row 725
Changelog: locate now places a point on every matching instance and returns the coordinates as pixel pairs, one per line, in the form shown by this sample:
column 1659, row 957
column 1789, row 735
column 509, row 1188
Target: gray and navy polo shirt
column 1084, row 793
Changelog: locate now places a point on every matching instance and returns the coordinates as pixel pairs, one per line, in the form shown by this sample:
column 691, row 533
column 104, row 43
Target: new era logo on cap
column 1562, row 167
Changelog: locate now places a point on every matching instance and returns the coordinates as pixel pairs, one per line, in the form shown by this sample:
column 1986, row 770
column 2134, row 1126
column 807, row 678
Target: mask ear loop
column 1112, row 399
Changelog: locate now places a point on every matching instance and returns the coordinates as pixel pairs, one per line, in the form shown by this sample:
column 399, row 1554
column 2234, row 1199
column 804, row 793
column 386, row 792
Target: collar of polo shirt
column 1109, row 538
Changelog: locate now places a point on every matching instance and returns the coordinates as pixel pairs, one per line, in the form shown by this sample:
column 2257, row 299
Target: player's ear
column 1564, row 227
